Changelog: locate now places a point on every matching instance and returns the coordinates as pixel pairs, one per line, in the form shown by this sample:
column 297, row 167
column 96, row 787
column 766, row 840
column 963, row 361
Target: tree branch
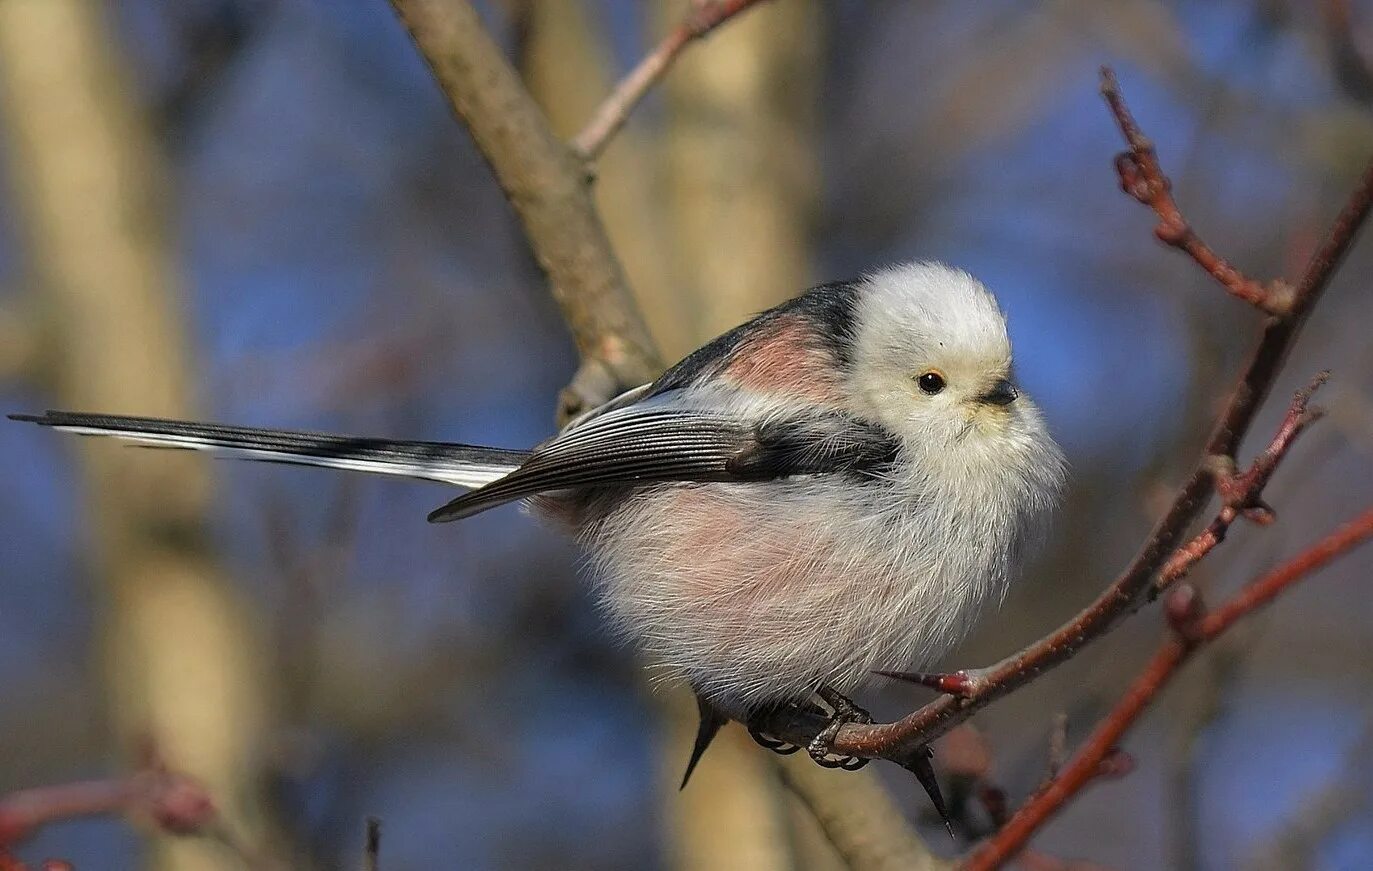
column 545, row 182
column 1193, row 629
column 611, row 115
column 1135, row 585
column 174, row 803
column 1142, row 177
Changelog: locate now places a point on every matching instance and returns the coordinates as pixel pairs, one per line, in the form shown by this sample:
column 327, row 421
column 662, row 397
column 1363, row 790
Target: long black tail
column 462, row 465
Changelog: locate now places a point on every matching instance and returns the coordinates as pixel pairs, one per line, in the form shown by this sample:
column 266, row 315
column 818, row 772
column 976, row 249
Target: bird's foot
column 844, row 711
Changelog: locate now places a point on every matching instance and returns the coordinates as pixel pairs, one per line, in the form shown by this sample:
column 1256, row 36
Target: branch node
column 593, row 384
column 1281, row 296
column 1115, row 764
column 1185, row 610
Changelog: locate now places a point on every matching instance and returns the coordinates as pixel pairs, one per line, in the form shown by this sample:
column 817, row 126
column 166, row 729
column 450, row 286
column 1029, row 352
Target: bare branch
column 1242, row 493
column 902, row 740
column 1193, row 628
column 172, row 802
column 611, row 115
column 1142, row 177
column 548, row 188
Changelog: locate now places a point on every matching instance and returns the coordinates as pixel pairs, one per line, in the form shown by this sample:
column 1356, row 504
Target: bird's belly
column 758, row 593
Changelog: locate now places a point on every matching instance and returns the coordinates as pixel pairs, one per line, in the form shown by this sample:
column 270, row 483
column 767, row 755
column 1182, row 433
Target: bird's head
column 932, row 360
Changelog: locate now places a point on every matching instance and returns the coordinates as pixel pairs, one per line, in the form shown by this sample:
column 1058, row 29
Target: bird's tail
column 463, row 465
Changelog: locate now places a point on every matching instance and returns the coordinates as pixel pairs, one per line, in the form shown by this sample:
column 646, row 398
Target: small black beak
column 1003, row 392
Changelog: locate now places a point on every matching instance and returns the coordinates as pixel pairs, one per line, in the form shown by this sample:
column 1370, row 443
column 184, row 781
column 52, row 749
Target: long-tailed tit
column 834, row 487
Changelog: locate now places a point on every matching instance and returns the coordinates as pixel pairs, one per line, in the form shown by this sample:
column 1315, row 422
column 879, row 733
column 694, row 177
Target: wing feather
column 665, row 440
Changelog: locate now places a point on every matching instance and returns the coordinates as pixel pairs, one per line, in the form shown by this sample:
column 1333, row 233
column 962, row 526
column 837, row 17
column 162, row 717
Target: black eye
column 931, row 382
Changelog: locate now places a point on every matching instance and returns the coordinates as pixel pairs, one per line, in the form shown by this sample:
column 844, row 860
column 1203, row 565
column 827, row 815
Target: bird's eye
column 931, row 382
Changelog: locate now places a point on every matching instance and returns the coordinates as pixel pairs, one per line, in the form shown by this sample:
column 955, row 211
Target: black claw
column 923, row 769
column 711, row 722
column 844, row 711
column 853, row 763
column 781, row 748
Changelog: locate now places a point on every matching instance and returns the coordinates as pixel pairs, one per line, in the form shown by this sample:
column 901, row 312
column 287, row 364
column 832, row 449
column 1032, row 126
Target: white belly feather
column 758, row 593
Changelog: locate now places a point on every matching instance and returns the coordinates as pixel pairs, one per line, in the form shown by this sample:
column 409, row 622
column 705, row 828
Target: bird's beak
column 1003, row 392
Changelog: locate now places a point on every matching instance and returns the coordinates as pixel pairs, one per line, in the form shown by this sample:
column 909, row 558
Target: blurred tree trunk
column 743, row 172
column 711, row 216
column 741, row 187
column 182, row 674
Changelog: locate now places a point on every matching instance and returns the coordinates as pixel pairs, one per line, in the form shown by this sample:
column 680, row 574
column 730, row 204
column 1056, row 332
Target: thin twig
column 173, row 802
column 611, row 115
column 547, row 185
column 1241, row 493
column 1143, row 178
column 1134, row 587
column 1192, row 629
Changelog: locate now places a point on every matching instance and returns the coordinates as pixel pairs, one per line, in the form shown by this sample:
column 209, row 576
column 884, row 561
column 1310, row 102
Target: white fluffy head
column 932, row 360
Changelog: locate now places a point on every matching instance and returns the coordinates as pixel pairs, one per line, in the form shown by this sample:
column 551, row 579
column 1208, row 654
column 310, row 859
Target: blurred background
column 261, row 211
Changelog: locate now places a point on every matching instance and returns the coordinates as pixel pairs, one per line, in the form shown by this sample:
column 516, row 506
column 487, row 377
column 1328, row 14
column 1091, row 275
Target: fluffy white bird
column 832, row 488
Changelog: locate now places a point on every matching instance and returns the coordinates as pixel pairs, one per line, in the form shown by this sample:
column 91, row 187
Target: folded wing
column 663, row 440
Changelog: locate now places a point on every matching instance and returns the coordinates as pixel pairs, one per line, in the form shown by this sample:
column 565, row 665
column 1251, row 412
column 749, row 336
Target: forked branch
column 546, row 184
column 611, row 115
column 1143, row 178
column 1192, row 628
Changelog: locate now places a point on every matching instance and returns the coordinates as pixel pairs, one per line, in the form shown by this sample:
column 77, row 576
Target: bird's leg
column 844, row 711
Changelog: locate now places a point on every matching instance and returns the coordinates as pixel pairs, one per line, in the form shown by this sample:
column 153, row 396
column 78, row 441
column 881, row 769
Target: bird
column 834, row 488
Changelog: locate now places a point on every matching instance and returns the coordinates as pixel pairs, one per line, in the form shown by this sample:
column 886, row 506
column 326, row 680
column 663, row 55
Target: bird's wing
column 665, row 440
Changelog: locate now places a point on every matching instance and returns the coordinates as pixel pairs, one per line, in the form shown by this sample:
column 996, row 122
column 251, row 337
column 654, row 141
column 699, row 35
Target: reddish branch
column 1192, row 629
column 1241, row 492
column 610, row 116
column 174, row 803
column 1142, row 177
column 967, row 756
column 1136, row 585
